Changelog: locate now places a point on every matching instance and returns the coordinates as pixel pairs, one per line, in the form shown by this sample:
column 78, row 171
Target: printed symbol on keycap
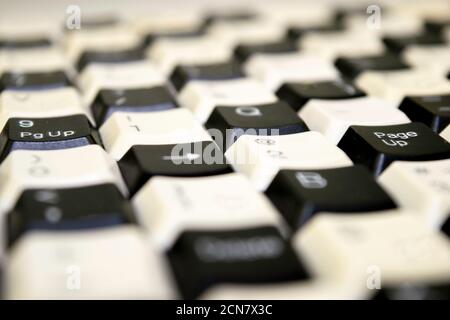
column 421, row 170
column 311, row 180
column 120, row 101
column 373, row 277
column 415, row 249
column 21, row 96
column 441, row 186
column 230, row 202
column 276, row 154
column 53, row 214
column 431, row 98
column 73, row 281
column 267, row 142
column 444, row 109
column 248, row 111
column 19, row 79
column 351, row 233
column 47, row 196
column 38, row 171
column 187, row 156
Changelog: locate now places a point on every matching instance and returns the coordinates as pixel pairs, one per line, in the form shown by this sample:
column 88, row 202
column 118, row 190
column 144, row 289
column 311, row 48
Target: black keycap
column 269, row 119
column 446, row 227
column 299, row 194
column 228, row 17
column 352, row 67
column 128, row 55
column 219, row 71
column 25, row 44
column 79, row 208
column 109, row 101
column 46, row 134
column 202, row 259
column 434, row 111
column 436, row 26
column 33, row 81
column 335, row 25
column 151, row 37
column 410, row 291
column 244, row 51
column 195, row 159
column 296, row 94
column 397, row 44
column 377, row 146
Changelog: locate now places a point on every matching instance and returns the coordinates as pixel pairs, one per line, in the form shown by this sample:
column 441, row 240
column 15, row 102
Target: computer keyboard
column 242, row 150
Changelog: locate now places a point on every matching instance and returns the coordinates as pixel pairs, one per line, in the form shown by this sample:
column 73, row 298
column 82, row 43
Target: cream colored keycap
column 274, row 70
column 124, row 129
column 395, row 85
column 66, row 168
column 168, row 53
column 95, row 77
column 112, row 263
column 446, row 133
column 201, row 97
column 40, row 104
column 332, row 118
column 423, row 186
column 167, row 206
column 23, row 27
column 392, row 245
column 168, row 22
column 261, row 157
column 433, row 58
column 342, row 44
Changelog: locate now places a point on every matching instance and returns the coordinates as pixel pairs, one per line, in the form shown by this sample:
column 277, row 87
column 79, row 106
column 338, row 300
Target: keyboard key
column 437, row 25
column 47, row 134
column 109, row 101
column 433, row 111
column 169, row 206
column 446, row 133
column 428, row 57
column 391, row 244
column 209, row 72
column 128, row 55
column 201, row 260
column 65, row 168
column 378, row 146
column 54, row 103
column 422, row 186
column 201, row 97
column 332, row 118
column 113, row 263
column 352, row 67
column 296, row 94
column 296, row 33
column 274, row 70
column 33, row 81
column 228, row 17
column 408, row 291
column 68, row 209
column 261, row 157
column 10, row 44
column 395, row 85
column 271, row 119
column 397, row 44
column 244, row 51
column 299, row 195
column 195, row 159
column 125, row 129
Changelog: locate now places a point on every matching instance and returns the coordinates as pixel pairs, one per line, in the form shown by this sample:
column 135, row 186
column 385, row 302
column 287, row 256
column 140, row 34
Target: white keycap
column 395, row 85
column 98, row 76
column 341, row 44
column 168, row 53
column 433, row 10
column 167, row 206
column 202, row 96
column 168, row 22
column 261, row 157
column 124, row 129
column 104, row 39
column 429, row 57
column 332, row 118
column 24, row 27
column 423, row 186
column 40, row 104
column 274, row 70
column 446, row 133
column 254, row 31
column 113, row 263
column 356, row 248
column 67, row 168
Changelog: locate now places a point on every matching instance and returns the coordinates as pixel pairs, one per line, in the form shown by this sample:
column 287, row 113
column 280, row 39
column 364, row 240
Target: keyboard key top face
column 136, row 100
column 219, row 71
column 296, row 94
column 377, row 146
column 299, row 195
column 446, row 133
column 271, row 119
column 397, row 44
column 422, row 186
column 408, row 291
column 24, row 43
column 261, row 157
column 111, row 263
column 55, row 169
column 70, row 209
column 392, row 242
column 196, row 159
column 433, row 111
column 125, row 129
column 169, row 206
column 332, row 118
column 431, row 57
column 33, row 81
column 244, row 51
column 128, row 55
column 201, row 97
column 201, row 260
column 352, row 67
